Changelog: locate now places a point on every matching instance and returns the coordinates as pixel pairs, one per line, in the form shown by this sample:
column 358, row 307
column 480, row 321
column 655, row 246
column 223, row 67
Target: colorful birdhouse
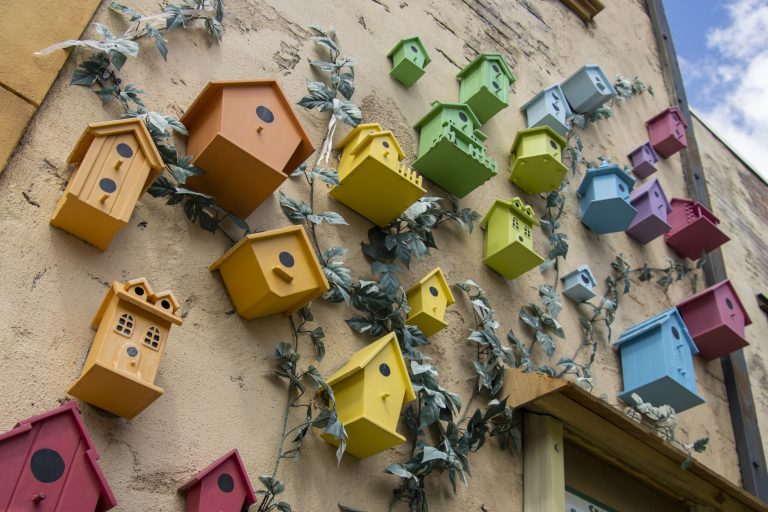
column 451, row 151
column 536, row 160
column 694, row 229
column 247, row 138
column 409, row 58
column 372, row 180
column 223, row 486
column 587, row 89
column 604, row 199
column 548, row 108
column 132, row 326
column 509, row 238
column 666, row 131
column 271, row 272
column 485, row 84
column 48, row 464
column 370, row 390
column 428, row 300
column 652, row 207
column 657, row 362
column 716, row 319
column 643, row 161
column 116, row 163
column 579, row 285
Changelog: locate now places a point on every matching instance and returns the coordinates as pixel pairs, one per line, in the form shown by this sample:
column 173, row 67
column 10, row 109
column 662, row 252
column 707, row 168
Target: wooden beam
column 543, row 464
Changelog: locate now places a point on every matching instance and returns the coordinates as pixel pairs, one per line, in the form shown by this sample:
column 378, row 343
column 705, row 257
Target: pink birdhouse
column 223, row 486
column 716, row 319
column 666, row 131
column 652, row 209
column 48, row 464
column 694, row 229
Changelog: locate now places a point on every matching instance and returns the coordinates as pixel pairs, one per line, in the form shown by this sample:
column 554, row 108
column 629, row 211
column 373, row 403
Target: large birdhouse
column 451, row 151
column 643, row 160
column 604, row 199
column 409, row 58
column 271, row 272
column 48, row 464
column 652, row 207
column 509, row 238
column 666, row 131
column 247, row 138
column 485, row 84
column 536, row 160
column 370, row 390
column 579, row 285
column 428, row 300
column 548, row 108
column 223, row 486
column 694, row 229
column 716, row 319
column 657, row 362
column 372, row 180
column 132, row 326
column 587, row 89
column 116, row 163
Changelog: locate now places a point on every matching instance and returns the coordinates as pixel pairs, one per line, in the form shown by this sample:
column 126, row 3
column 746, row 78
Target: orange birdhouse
column 116, row 163
column 247, row 138
column 132, row 326
column 428, row 300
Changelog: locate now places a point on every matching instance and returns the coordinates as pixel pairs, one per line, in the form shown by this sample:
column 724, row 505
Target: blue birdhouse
column 604, row 199
column 587, row 89
column 548, row 108
column 657, row 362
column 579, row 285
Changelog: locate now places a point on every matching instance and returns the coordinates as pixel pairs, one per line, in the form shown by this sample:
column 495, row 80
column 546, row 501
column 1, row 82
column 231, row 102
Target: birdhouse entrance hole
column 46, row 465
column 286, row 259
column 107, row 185
column 384, row 369
column 585, row 279
column 729, row 303
column 433, row 291
column 124, row 150
column 265, row 114
column 675, row 333
column 226, row 483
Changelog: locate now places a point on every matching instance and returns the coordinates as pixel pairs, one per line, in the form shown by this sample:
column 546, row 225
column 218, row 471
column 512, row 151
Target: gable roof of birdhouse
column 668, row 111
column 722, row 284
column 443, row 283
column 132, row 125
column 415, row 40
column 357, row 129
column 120, row 289
column 250, row 495
column 704, row 210
column 555, row 87
column 386, row 133
column 604, row 169
column 516, row 205
column 438, row 106
column 644, row 327
column 646, row 188
column 583, row 269
column 537, row 129
column 493, row 56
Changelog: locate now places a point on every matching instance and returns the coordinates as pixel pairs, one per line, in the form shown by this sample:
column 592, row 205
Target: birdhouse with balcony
column 579, row 285
column 428, row 300
column 536, row 160
column 643, row 161
column 485, row 84
column 587, row 89
column 509, row 238
column 604, row 199
column 548, row 108
column 666, row 131
column 409, row 59
column 223, row 486
column 694, row 229
column 652, row 207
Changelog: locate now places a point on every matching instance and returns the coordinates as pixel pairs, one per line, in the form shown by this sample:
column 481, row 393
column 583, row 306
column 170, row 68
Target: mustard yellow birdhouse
column 372, row 180
column 132, row 326
column 509, row 238
column 271, row 272
column 116, row 163
column 428, row 300
column 370, row 390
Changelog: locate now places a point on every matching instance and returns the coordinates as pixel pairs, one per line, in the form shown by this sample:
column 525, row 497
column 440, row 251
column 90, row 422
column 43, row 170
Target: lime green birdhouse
column 485, row 84
column 509, row 238
column 536, row 160
column 409, row 58
column 428, row 300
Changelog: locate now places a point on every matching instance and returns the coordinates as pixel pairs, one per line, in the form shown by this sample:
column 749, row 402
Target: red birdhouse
column 694, row 229
column 48, row 464
column 666, row 131
column 223, row 486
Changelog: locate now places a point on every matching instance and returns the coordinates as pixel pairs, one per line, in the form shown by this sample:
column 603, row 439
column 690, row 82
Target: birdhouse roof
column 250, row 496
column 604, row 169
column 646, row 187
column 415, row 40
column 356, row 130
column 362, row 358
column 668, row 111
column 443, row 283
column 555, row 87
column 535, row 130
column 514, row 205
column 722, row 284
column 385, row 134
column 132, row 125
column 593, row 67
column 672, row 314
column 490, row 56
column 438, row 106
column 703, row 209
column 149, row 304
column 583, row 269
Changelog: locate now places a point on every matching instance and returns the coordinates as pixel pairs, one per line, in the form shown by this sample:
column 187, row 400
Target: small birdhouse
column 716, row 319
column 536, row 160
column 246, row 137
column 370, row 390
column 116, row 163
column 271, row 272
column 428, row 300
column 451, row 151
column 485, row 84
column 604, row 199
column 694, row 229
column 48, row 463
column 657, row 362
column 548, row 108
column 409, row 58
column 509, row 238
column 579, row 285
column 652, row 207
column 587, row 89
column 372, row 180
column 643, row 161
column 132, row 326
column 666, row 131
column 223, row 486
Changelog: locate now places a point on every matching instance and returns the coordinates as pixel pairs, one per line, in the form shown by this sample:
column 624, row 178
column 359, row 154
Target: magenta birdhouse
column 223, row 486
column 643, row 161
column 666, row 131
column 716, row 319
column 652, row 207
column 48, row 464
column 694, row 229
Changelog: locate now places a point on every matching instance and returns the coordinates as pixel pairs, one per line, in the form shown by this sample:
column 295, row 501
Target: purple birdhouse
column 694, row 229
column 666, row 131
column 643, row 161
column 652, row 209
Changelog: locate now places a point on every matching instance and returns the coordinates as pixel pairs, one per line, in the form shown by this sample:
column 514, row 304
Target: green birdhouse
column 409, row 58
column 536, row 160
column 485, row 85
column 509, row 238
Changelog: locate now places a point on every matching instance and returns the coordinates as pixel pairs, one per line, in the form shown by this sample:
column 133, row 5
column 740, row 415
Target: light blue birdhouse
column 657, row 362
column 579, row 285
column 604, row 199
column 548, row 108
column 587, row 89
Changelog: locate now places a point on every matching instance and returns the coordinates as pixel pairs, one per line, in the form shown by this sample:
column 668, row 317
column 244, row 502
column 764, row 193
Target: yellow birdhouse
column 132, row 326
column 370, row 390
column 372, row 180
column 271, row 272
column 509, row 238
column 428, row 300
column 116, row 163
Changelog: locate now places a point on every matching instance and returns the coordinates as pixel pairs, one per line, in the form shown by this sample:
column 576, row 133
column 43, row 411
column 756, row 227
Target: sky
column 722, row 48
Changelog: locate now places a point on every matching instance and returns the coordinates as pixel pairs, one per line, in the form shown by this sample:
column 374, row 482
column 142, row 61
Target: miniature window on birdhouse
column 152, row 338
column 527, row 232
column 124, row 325
column 515, row 223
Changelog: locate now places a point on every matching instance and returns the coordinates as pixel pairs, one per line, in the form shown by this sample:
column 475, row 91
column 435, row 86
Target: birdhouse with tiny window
column 116, row 162
column 657, row 362
column 485, row 84
column 716, row 319
column 409, row 58
column 548, row 108
column 509, row 238
column 48, row 463
column 370, row 390
column 694, row 229
column 451, row 151
column 579, row 285
column 223, row 486
column 372, row 179
column 587, row 89
column 271, row 272
column 246, row 137
column 428, row 300
column 652, row 207
column 604, row 199
column 643, row 161
column 536, row 160
column 666, row 131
